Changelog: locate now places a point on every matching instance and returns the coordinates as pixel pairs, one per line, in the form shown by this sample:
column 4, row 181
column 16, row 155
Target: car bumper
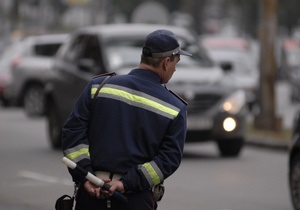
column 205, row 128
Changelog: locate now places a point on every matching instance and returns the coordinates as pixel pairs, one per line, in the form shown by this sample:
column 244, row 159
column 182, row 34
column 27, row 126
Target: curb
column 283, row 145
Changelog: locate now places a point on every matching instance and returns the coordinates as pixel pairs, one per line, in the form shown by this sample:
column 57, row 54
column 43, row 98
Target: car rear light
column 5, row 79
column 15, row 62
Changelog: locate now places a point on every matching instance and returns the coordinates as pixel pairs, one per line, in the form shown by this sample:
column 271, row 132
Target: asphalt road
column 32, row 175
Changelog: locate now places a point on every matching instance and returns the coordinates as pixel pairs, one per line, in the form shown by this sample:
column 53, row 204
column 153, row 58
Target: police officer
column 134, row 138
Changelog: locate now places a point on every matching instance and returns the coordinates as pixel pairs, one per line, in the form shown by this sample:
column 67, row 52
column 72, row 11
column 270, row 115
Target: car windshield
column 126, row 53
column 241, row 61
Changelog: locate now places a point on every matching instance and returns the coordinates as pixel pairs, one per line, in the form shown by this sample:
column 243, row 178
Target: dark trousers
column 136, row 201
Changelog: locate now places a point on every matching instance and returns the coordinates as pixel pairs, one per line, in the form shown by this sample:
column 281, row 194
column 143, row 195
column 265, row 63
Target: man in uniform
column 134, row 138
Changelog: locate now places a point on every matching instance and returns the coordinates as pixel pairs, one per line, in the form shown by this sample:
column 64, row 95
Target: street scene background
column 32, row 175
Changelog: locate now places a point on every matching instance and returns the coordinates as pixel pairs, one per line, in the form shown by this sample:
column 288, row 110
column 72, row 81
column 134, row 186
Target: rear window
column 46, row 50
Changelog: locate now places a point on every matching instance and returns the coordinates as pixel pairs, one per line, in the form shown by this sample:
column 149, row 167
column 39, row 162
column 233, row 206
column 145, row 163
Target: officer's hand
column 95, row 191
column 92, row 189
column 116, row 185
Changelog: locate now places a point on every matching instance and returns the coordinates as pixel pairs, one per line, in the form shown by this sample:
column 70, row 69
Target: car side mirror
column 87, row 65
column 226, row 66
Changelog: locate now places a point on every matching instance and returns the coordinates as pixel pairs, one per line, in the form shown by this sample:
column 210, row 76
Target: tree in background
column 288, row 15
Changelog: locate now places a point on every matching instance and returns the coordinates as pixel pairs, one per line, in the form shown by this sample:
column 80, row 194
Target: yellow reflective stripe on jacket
column 139, row 99
column 78, row 153
column 152, row 173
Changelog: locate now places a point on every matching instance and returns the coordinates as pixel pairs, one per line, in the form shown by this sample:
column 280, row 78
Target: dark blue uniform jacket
column 137, row 129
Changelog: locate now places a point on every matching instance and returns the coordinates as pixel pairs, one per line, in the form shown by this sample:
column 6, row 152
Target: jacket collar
column 145, row 73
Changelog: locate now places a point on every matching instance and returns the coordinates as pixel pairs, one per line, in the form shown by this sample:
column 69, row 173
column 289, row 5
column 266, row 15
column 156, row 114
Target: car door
column 77, row 63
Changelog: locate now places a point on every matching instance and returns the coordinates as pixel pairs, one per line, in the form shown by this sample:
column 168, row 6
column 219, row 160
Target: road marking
column 44, row 178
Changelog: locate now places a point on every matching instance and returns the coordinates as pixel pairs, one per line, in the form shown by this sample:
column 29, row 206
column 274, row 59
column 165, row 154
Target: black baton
column 95, row 180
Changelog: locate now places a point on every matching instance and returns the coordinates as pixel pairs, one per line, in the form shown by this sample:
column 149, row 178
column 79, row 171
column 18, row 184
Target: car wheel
column 54, row 129
column 294, row 180
column 33, row 100
column 230, row 147
column 4, row 103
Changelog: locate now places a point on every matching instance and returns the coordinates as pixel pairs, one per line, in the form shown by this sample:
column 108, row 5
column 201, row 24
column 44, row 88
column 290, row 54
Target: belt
column 108, row 175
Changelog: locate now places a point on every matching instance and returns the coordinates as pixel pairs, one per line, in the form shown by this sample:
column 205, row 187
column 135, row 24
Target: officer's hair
column 155, row 62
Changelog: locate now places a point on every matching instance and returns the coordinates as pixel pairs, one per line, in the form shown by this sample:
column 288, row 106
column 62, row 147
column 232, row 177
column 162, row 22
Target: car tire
column 33, row 100
column 230, row 147
column 294, row 182
column 4, row 103
column 54, row 128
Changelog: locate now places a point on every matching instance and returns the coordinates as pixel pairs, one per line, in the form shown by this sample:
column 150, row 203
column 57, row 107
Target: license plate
column 199, row 123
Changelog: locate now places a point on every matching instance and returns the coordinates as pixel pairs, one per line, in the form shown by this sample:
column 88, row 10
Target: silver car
column 29, row 73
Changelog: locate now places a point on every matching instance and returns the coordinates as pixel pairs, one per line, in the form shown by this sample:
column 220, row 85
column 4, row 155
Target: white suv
column 30, row 69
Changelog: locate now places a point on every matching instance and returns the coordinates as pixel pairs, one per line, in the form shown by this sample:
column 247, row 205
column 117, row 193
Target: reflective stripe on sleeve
column 152, row 173
column 139, row 99
column 78, row 153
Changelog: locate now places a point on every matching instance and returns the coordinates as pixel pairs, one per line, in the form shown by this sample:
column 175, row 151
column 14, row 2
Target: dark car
column 215, row 112
column 294, row 164
column 29, row 75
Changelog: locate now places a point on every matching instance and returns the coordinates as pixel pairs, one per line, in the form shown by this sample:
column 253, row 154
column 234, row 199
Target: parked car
column 215, row 112
column 289, row 52
column 294, row 164
column 236, row 57
column 8, row 59
column 293, row 81
column 29, row 75
column 290, row 66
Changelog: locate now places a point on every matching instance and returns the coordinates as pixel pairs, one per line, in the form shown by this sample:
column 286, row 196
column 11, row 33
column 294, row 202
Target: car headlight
column 229, row 124
column 235, row 102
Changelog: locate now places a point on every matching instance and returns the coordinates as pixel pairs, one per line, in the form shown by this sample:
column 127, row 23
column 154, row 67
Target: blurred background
column 231, row 17
column 269, row 28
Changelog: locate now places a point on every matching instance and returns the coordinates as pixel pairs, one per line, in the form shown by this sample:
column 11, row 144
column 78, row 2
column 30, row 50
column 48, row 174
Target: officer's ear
column 165, row 63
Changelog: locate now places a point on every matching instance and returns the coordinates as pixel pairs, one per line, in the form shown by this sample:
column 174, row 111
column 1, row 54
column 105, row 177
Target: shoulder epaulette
column 177, row 96
column 105, row 74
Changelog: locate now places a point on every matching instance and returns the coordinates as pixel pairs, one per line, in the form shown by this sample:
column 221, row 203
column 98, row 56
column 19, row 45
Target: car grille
column 202, row 102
